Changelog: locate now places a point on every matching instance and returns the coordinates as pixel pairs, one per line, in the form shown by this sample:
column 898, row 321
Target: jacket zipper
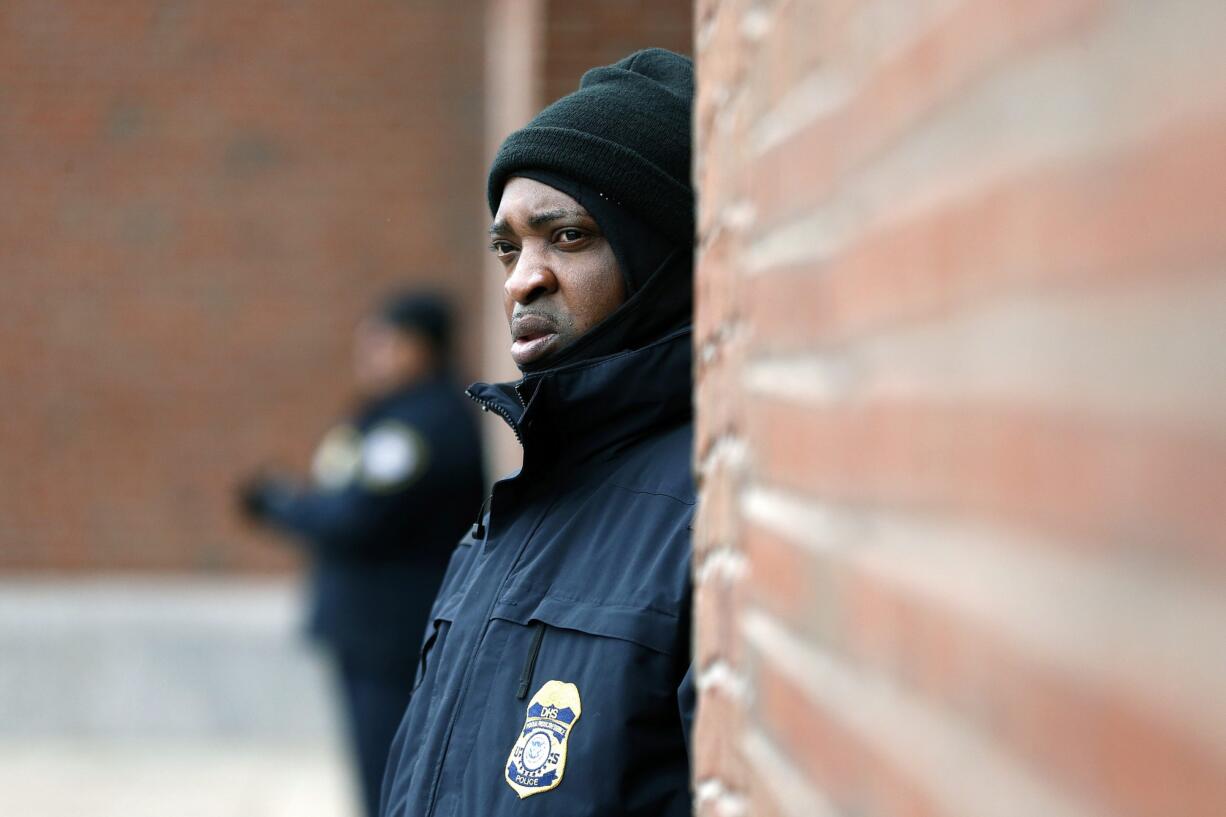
column 501, row 412
column 478, row 529
column 525, row 677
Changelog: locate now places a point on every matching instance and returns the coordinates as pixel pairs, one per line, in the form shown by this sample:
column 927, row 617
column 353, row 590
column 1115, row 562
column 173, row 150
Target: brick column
column 962, row 408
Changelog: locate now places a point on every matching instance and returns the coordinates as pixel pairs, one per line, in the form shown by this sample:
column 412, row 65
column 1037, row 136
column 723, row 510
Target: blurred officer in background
column 392, row 490
column 556, row 667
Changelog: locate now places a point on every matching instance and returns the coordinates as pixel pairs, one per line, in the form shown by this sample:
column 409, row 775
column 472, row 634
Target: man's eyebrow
column 502, row 226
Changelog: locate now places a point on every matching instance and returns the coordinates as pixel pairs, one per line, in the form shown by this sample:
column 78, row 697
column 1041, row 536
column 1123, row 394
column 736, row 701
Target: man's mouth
column 532, row 337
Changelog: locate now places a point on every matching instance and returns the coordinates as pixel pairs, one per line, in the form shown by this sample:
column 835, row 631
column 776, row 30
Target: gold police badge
column 538, row 759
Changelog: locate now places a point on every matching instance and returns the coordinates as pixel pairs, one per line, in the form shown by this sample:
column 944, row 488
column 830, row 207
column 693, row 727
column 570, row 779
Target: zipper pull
column 479, row 525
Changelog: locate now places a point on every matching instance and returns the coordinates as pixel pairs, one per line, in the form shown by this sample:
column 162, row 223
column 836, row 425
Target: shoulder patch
column 337, row 458
column 392, row 455
column 538, row 758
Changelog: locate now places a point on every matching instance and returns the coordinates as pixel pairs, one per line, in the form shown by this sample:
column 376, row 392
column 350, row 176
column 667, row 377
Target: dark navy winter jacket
column 408, row 480
column 554, row 671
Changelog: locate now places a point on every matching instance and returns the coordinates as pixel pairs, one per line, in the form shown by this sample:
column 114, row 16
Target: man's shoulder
column 661, row 464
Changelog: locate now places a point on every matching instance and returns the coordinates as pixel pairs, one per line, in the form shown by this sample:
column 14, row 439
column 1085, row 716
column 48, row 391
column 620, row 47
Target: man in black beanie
column 392, row 489
column 555, row 670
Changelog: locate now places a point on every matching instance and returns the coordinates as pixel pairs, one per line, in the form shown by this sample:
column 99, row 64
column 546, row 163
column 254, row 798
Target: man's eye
column 502, row 247
column 569, row 235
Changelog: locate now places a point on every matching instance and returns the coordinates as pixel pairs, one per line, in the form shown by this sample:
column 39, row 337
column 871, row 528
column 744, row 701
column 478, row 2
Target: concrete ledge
column 58, row 778
column 158, row 657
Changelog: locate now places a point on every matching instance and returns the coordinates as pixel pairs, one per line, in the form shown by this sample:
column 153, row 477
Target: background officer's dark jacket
column 381, row 536
column 582, row 577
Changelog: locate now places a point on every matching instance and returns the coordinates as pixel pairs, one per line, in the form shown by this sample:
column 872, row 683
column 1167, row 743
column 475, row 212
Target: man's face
column 561, row 275
column 386, row 358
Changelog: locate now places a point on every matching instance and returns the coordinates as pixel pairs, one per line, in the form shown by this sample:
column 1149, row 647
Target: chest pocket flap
column 647, row 626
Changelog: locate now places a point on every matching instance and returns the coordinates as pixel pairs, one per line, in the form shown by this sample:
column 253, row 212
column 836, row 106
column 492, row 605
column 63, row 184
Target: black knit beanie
column 625, row 132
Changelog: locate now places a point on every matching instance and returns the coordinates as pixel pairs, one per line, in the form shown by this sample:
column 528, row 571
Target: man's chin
column 530, row 351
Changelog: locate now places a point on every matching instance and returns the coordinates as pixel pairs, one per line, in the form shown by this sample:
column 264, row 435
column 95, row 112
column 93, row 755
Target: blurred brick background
column 199, row 200
column 962, row 408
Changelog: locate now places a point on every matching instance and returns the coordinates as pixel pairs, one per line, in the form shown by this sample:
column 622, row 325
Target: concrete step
column 142, row 696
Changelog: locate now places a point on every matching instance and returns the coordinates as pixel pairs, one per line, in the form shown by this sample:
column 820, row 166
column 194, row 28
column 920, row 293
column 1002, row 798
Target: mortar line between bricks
column 789, row 789
column 720, row 675
column 820, row 92
column 727, row 802
column 914, row 735
column 1085, row 351
column 937, row 163
column 1088, row 624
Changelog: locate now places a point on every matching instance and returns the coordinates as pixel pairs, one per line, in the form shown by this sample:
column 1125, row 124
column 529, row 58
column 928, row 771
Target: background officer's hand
column 255, row 493
column 252, row 496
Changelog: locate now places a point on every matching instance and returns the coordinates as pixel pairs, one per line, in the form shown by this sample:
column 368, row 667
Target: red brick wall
column 962, row 408
column 579, row 36
column 536, row 52
column 199, row 200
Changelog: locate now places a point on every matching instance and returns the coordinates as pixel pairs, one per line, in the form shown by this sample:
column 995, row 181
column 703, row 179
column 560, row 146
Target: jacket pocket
column 435, row 633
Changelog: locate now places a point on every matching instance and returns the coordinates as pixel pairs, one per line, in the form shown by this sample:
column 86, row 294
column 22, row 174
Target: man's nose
column 531, row 278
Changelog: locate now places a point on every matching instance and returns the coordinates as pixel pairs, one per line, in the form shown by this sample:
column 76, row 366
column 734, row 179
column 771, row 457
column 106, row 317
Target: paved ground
column 99, row 778
column 146, row 697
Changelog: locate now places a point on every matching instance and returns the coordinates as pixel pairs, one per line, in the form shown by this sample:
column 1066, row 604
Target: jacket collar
column 594, row 408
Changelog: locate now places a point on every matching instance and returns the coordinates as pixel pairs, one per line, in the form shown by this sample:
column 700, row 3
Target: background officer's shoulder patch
column 393, row 454
column 337, row 458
